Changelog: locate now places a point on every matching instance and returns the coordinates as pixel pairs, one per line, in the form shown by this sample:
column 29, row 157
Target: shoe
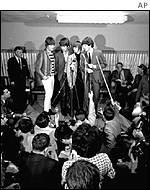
column 51, row 112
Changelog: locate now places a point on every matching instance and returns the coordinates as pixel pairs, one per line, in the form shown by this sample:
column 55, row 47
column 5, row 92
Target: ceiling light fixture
column 96, row 17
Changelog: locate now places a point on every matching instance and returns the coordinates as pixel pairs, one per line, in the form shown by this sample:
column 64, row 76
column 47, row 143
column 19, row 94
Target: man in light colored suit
column 91, row 72
column 112, row 129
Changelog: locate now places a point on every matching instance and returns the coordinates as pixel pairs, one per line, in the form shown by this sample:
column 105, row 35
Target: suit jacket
column 15, row 73
column 43, row 65
column 39, row 172
column 143, row 88
column 127, row 74
column 136, row 82
column 60, row 63
column 111, row 131
column 96, row 75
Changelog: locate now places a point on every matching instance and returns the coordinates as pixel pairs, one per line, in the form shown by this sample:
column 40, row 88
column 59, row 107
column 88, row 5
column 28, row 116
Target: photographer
column 6, row 101
column 10, row 143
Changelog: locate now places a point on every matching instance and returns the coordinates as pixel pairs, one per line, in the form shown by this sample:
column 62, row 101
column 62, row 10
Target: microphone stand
column 71, row 90
column 112, row 101
column 59, row 90
column 85, row 70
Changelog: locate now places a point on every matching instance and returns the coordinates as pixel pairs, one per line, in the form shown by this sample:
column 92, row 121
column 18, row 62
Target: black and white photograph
column 78, row 82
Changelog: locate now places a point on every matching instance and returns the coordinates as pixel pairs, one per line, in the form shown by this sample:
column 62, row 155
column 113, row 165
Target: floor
column 37, row 107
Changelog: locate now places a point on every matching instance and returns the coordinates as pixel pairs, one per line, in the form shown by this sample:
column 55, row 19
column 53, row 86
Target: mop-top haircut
column 88, row 41
column 49, row 41
column 77, row 44
column 64, row 42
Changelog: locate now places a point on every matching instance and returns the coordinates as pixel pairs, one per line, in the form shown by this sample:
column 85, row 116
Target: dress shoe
column 51, row 112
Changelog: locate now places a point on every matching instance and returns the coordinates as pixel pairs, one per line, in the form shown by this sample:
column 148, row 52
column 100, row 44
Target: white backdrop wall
column 117, row 37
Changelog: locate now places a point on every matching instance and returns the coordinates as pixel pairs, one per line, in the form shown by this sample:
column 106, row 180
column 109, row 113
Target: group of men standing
column 68, row 73
column 74, row 69
column 70, row 70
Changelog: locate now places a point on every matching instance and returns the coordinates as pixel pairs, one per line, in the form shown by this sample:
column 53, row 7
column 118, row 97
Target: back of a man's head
column 109, row 113
column 86, row 140
column 63, row 131
column 42, row 120
column 80, row 115
column 40, row 142
column 25, row 124
column 83, row 175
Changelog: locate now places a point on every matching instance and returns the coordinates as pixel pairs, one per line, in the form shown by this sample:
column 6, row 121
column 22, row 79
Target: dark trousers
column 122, row 94
column 131, row 100
column 61, row 94
column 65, row 98
column 96, row 92
column 95, row 86
column 20, row 98
column 56, row 95
column 78, row 94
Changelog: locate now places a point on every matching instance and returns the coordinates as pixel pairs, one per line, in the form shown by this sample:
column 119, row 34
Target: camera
column 74, row 60
column 137, row 150
column 140, row 149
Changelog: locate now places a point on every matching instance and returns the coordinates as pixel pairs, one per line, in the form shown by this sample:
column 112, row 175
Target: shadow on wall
column 30, row 45
column 42, row 47
column 100, row 43
column 74, row 39
column 58, row 38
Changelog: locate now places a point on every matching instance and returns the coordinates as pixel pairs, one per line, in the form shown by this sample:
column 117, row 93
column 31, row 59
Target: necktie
column 89, row 58
column 20, row 63
column 119, row 74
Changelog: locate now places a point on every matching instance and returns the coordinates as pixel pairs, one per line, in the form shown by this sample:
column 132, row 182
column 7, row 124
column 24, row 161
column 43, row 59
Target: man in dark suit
column 61, row 59
column 18, row 73
column 121, row 80
column 37, row 170
column 91, row 72
column 141, row 71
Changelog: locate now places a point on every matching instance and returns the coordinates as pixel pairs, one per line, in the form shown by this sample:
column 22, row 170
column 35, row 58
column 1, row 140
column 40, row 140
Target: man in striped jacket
column 45, row 68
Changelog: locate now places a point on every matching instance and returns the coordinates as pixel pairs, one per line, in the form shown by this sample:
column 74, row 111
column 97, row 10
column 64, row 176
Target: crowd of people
column 96, row 147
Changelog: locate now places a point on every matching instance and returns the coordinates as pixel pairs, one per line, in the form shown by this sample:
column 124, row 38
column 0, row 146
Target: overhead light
column 96, row 17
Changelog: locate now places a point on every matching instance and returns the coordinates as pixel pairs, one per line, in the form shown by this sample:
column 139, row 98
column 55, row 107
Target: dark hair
column 25, row 124
column 49, row 41
column 80, row 115
column 42, row 120
column 40, row 141
column 144, row 68
column 86, row 140
column 88, row 41
column 77, row 44
column 64, row 42
column 83, row 175
column 63, row 131
column 4, row 86
column 18, row 48
column 119, row 63
column 12, row 121
column 109, row 113
column 72, row 122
